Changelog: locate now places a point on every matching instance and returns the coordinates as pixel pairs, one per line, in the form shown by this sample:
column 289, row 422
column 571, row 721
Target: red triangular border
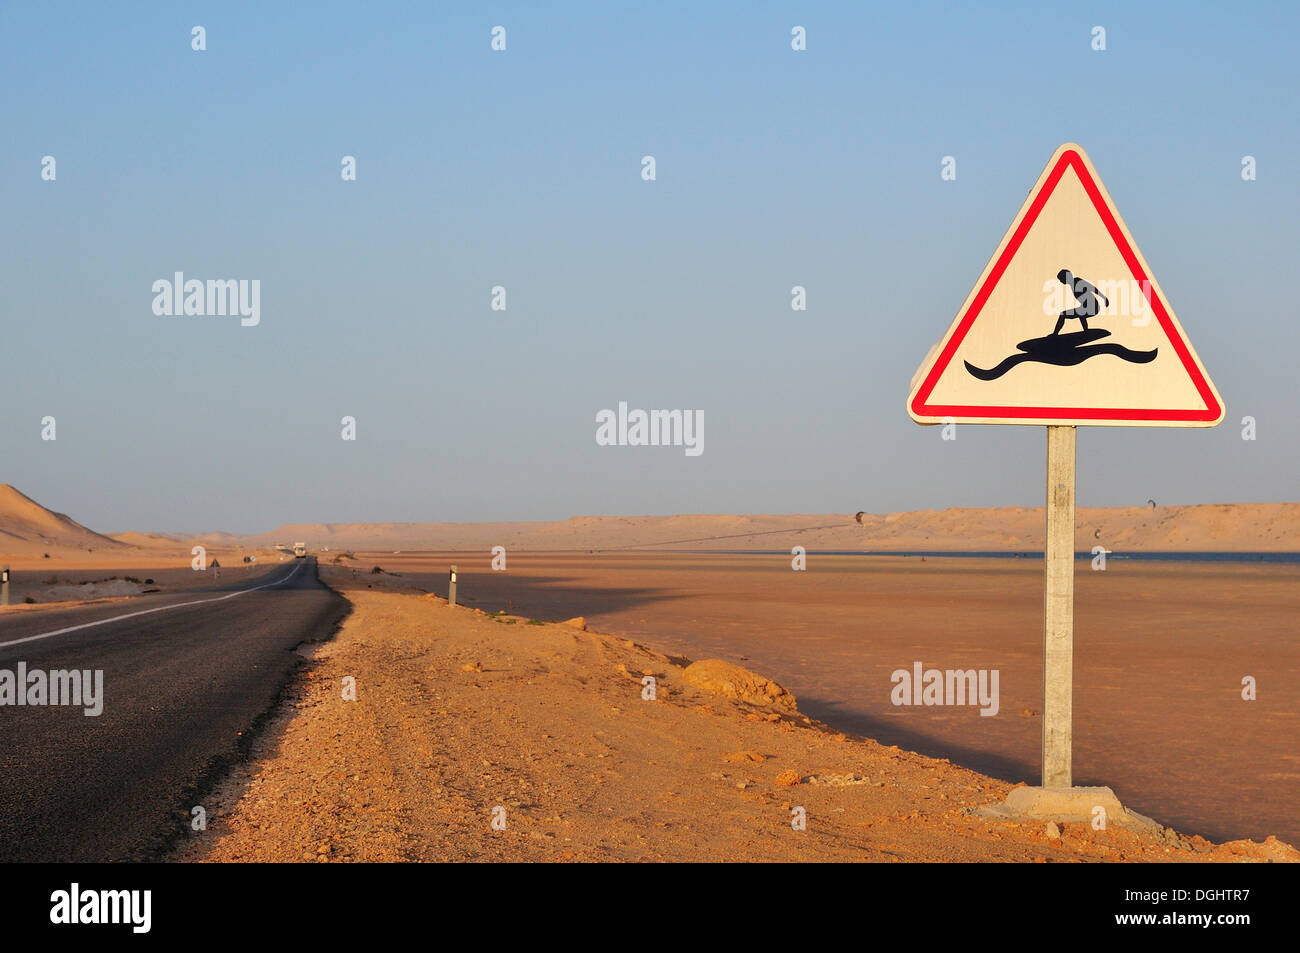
column 1070, row 158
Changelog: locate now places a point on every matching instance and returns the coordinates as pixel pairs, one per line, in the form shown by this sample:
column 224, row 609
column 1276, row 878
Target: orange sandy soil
column 458, row 712
column 1160, row 652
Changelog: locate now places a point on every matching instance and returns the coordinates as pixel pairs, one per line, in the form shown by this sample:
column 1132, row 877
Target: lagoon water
column 1161, row 650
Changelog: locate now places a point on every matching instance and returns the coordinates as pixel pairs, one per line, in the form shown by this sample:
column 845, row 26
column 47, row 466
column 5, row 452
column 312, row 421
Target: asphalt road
column 184, row 676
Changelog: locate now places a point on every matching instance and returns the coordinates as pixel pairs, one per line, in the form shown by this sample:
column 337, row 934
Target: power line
column 706, row 539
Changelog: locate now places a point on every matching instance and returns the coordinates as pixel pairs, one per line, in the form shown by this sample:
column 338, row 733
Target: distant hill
column 28, row 527
column 146, row 540
column 1227, row 527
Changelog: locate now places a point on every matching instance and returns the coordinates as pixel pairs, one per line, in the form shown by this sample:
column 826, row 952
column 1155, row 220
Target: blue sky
column 522, row 168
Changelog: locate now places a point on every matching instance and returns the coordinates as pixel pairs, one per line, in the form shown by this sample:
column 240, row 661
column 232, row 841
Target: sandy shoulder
column 458, row 713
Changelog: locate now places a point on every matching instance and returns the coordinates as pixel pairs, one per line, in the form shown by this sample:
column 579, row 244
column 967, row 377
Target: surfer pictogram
column 1067, row 350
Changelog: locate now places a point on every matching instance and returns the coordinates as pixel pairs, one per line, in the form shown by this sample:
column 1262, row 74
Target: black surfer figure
column 1086, row 293
column 1067, row 350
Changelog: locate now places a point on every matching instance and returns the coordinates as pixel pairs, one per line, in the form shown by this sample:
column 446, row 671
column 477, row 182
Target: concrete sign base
column 1078, row 805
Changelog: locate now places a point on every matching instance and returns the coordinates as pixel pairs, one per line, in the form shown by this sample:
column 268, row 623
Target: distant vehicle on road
column 300, row 550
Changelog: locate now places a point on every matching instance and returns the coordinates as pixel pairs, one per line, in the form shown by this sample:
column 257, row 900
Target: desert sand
column 30, row 533
column 54, row 559
column 27, row 528
column 1210, row 527
column 1160, row 652
column 461, row 718
column 1161, row 648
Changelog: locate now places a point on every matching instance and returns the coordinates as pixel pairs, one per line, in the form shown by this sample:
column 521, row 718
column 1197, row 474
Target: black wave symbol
column 1063, row 350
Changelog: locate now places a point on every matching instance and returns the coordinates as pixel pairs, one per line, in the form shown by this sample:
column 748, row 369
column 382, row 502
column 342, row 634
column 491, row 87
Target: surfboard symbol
column 1063, row 350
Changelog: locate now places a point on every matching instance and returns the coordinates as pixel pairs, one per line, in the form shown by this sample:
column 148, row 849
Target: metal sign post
column 1058, row 610
column 1013, row 355
column 451, row 587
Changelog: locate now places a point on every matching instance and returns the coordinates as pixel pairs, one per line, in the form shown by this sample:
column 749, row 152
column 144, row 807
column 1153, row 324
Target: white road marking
column 132, row 615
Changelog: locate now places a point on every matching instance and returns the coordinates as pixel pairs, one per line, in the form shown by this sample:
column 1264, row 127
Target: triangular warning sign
column 1066, row 325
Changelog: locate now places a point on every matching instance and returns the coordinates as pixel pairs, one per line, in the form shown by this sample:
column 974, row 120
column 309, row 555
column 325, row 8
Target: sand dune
column 1229, row 527
column 146, row 540
column 27, row 527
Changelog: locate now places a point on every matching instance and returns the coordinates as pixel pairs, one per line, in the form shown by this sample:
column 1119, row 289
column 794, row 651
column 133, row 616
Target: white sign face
column 1066, row 325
